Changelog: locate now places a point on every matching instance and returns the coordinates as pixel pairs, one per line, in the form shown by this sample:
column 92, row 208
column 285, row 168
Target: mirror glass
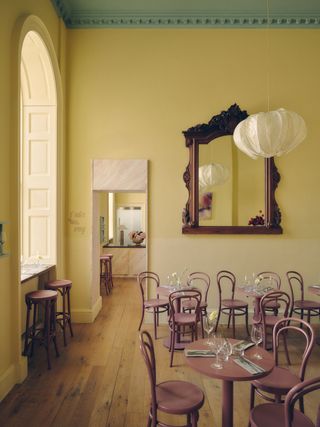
column 231, row 184
column 227, row 191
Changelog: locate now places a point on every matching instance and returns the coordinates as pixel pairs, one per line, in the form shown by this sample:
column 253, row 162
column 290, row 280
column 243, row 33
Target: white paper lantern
column 212, row 174
column 270, row 134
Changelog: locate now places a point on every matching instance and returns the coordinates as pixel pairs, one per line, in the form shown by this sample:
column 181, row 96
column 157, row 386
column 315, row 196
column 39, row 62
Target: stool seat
column 43, row 327
column 63, row 283
column 41, row 295
column 63, row 286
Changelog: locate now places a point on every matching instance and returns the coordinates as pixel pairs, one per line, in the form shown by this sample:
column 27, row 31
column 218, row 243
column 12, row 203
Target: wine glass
column 208, row 326
column 217, row 345
column 256, row 337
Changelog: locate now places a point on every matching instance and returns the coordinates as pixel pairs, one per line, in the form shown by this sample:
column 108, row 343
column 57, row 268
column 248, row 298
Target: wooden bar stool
column 63, row 317
column 43, row 327
column 106, row 272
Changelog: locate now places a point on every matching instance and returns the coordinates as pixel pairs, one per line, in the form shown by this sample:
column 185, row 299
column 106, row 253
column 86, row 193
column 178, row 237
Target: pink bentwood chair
column 232, row 307
column 281, row 380
column 273, row 280
column 180, row 322
column 200, row 281
column 282, row 299
column 279, row 415
column 301, row 306
column 170, row 397
column 154, row 305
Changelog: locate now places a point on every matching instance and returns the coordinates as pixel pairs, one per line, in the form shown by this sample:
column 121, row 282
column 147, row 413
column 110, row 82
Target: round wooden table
column 229, row 373
column 257, row 294
column 314, row 289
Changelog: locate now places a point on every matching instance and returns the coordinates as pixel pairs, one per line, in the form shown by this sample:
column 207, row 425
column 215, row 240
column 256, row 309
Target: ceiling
column 189, row 13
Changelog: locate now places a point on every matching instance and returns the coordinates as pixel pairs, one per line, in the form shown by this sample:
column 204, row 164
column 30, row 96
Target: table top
column 255, row 292
column 166, row 290
column 230, row 371
column 314, row 289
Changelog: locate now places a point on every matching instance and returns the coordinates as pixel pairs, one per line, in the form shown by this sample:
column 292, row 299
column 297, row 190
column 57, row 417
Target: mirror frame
column 221, row 125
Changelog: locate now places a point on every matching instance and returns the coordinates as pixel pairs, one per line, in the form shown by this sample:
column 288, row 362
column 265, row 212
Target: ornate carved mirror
column 227, row 189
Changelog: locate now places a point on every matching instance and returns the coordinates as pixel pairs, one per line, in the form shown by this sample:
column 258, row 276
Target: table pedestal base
column 177, row 346
column 227, row 403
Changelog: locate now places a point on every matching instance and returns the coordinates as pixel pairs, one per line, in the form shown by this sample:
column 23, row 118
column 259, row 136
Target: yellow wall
column 12, row 365
column 129, row 95
column 133, row 93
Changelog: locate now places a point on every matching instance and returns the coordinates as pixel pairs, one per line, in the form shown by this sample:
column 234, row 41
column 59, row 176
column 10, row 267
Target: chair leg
column 202, row 328
column 217, row 322
column 229, row 318
column 252, row 396
column 277, row 398
column 309, row 316
column 155, row 322
column 233, row 324
column 194, row 419
column 173, row 338
column 142, row 317
column 247, row 322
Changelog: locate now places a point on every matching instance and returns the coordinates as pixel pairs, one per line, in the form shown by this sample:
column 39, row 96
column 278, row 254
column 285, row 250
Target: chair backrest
column 296, row 393
column 302, row 329
column 147, row 350
column 200, row 281
column 281, row 298
column 145, row 279
column 295, row 282
column 177, row 298
column 270, row 278
column 226, row 278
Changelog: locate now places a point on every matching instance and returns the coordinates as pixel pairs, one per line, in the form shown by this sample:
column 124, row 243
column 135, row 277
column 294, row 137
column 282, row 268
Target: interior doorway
column 126, row 180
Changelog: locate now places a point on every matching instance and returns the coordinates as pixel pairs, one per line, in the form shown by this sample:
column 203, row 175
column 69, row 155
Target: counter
column 127, row 261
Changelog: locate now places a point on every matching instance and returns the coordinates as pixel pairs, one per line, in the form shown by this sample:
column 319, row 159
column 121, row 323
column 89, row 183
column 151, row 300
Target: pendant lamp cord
column 268, row 56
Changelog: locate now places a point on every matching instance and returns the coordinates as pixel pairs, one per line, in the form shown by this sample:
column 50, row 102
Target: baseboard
column 88, row 315
column 13, row 375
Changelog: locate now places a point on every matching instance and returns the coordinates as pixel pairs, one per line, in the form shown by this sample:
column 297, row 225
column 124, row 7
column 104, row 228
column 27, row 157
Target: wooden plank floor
column 100, row 378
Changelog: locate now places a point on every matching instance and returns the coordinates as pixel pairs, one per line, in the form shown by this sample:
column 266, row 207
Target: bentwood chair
column 171, row 397
column 281, row 380
column 147, row 280
column 301, row 306
column 231, row 307
column 201, row 281
column 279, row 415
column 268, row 321
column 182, row 323
column 273, row 280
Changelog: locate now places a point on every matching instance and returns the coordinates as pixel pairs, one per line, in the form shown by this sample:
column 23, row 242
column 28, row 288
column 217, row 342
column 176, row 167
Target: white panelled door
column 39, row 157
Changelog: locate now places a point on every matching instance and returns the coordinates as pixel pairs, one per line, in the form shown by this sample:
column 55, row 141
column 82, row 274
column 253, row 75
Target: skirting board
column 13, row 375
column 87, row 315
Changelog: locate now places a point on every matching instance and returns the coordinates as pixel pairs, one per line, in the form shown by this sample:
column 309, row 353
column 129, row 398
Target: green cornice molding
column 85, row 18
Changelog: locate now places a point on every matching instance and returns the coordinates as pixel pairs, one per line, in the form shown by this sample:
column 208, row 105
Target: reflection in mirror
column 121, row 213
column 229, row 193
column 231, row 184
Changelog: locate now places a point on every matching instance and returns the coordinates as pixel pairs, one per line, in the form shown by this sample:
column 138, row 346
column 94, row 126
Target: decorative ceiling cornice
column 75, row 18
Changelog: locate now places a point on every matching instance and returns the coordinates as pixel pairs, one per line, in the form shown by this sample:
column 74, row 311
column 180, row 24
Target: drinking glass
column 226, row 350
column 217, row 345
column 208, row 326
column 256, row 337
